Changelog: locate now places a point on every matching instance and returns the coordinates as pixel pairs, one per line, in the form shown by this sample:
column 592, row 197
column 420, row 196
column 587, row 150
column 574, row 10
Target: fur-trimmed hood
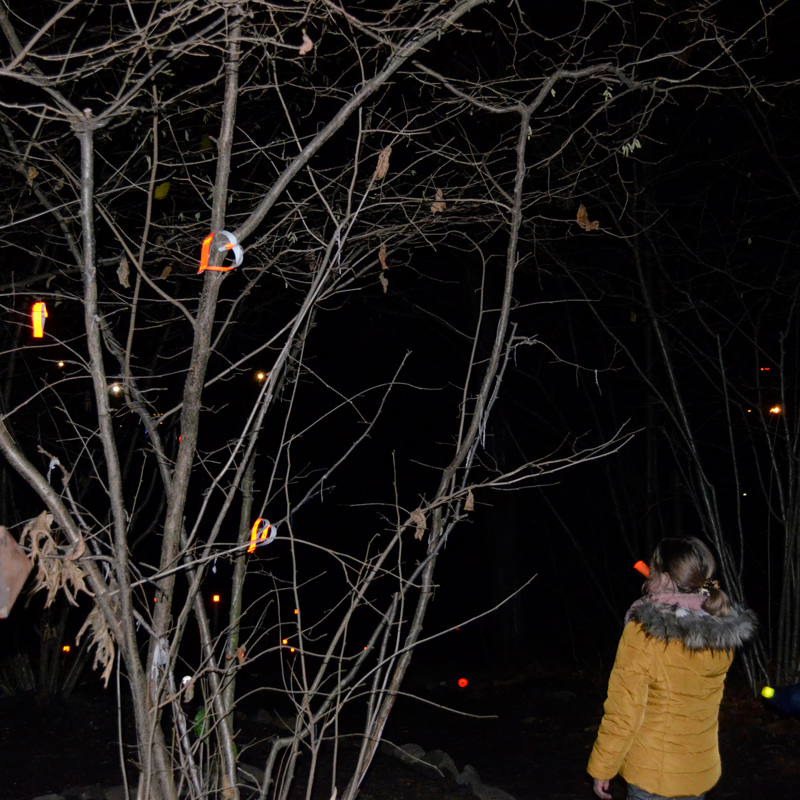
column 696, row 629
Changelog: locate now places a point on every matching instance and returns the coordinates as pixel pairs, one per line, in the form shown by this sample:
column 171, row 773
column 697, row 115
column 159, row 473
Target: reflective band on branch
column 232, row 245
column 262, row 533
column 38, row 316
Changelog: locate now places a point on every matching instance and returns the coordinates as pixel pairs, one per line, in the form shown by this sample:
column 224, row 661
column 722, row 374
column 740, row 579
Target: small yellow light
column 215, row 598
column 768, row 692
column 60, row 363
column 296, row 611
column 261, row 377
column 115, row 388
column 291, row 649
column 284, row 641
column 776, row 410
column 66, row 648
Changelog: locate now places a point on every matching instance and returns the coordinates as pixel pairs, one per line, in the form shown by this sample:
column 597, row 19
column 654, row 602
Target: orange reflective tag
column 261, row 533
column 38, row 316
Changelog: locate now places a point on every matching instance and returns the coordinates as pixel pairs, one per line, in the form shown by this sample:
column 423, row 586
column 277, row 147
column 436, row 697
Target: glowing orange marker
column 38, row 316
column 66, row 648
column 263, row 532
column 232, row 245
column 462, row 682
column 640, row 566
column 215, row 598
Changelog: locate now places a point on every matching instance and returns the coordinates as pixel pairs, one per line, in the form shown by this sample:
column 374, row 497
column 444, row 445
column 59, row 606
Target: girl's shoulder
column 696, row 629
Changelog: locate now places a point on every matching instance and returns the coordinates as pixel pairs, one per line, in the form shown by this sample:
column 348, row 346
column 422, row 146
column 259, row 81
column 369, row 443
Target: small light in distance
column 215, row 598
column 60, row 364
column 261, row 376
column 462, row 682
column 115, row 388
column 775, row 410
column 291, row 649
column 66, row 648
column 768, row 692
column 744, row 494
column 284, row 641
column 296, row 611
column 765, row 369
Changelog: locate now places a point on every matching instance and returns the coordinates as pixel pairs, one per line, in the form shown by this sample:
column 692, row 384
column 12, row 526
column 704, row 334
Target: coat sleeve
column 625, row 705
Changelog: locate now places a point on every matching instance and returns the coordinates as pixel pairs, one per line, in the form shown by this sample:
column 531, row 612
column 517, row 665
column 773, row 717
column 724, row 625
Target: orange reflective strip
column 254, row 534
column 38, row 316
column 204, row 252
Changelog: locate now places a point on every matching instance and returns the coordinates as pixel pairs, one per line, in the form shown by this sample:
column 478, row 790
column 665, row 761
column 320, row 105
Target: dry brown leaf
column 418, row 518
column 383, row 164
column 123, row 272
column 54, row 570
column 102, row 640
column 633, row 316
column 469, row 503
column 167, row 271
column 439, row 206
column 227, row 792
column 382, row 257
column 583, row 219
column 384, row 282
column 240, row 654
column 307, row 45
column 188, row 691
column 32, row 173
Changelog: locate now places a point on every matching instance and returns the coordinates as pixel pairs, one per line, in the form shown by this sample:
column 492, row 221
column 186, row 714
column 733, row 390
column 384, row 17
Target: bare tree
column 334, row 145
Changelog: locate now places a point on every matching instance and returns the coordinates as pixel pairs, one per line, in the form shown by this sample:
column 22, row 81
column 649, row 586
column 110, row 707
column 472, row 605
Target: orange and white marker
column 263, row 532
column 38, row 316
column 233, row 245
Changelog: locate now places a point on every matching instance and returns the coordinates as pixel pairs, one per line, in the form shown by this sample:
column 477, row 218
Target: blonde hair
column 690, row 565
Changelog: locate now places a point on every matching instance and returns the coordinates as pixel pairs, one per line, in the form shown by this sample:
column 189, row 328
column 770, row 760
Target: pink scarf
column 694, row 602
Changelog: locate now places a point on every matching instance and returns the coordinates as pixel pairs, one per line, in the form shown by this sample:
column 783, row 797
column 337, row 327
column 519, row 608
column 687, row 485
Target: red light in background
column 765, row 369
column 284, row 641
column 215, row 598
column 462, row 682
column 66, row 648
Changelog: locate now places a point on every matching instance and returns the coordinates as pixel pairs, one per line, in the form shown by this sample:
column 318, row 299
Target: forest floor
column 529, row 735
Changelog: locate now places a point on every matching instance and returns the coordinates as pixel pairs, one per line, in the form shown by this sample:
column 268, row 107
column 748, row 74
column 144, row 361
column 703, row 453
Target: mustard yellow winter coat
column 659, row 730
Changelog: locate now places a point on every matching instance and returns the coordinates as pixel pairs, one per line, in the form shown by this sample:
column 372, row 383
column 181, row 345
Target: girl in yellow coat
column 659, row 730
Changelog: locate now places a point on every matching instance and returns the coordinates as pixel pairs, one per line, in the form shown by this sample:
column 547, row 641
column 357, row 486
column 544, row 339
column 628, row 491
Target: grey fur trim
column 696, row 629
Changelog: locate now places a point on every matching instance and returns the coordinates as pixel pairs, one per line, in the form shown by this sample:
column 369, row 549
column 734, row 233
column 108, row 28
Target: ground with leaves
column 531, row 738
